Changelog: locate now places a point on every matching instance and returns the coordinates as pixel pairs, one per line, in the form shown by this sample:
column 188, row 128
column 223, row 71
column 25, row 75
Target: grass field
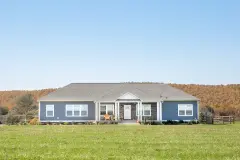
column 120, row 142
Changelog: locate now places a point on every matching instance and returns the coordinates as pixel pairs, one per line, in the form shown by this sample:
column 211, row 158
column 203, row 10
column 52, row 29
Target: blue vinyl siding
column 170, row 110
column 59, row 111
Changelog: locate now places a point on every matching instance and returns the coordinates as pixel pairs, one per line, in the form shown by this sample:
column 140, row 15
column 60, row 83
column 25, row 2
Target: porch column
column 116, row 111
column 99, row 106
column 96, row 111
column 158, row 111
column 141, row 110
column 161, row 110
column 138, row 117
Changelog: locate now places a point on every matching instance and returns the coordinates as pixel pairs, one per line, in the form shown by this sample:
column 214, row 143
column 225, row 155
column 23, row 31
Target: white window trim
column 143, row 105
column 185, row 115
column 49, row 105
column 80, row 110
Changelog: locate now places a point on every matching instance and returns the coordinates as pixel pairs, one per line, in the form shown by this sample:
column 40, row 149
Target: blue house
column 79, row 102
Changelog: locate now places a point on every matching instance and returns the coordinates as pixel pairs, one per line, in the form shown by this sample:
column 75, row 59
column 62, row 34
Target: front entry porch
column 128, row 111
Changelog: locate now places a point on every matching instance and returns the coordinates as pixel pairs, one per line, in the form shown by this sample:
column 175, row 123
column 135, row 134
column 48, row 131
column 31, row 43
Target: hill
column 221, row 97
column 8, row 98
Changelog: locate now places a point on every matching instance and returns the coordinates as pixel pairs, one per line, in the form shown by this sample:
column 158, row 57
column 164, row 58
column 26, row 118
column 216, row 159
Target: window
column 146, row 110
column 106, row 109
column 110, row 109
column 185, row 110
column 84, row 110
column 49, row 110
column 77, row 110
column 103, row 110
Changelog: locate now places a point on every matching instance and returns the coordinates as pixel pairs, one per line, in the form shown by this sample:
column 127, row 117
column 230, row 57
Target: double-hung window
column 49, row 110
column 185, row 110
column 76, row 110
column 146, row 110
column 106, row 109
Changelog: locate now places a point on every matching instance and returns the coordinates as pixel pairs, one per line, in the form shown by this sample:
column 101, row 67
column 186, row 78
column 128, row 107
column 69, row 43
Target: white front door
column 127, row 111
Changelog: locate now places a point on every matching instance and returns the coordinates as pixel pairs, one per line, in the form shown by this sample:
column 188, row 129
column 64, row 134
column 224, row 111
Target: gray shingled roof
column 112, row 91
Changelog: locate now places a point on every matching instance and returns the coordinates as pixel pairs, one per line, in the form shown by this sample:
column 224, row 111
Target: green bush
column 11, row 120
column 3, row 110
column 106, row 122
column 156, row 123
column 23, row 123
column 89, row 123
column 101, row 123
column 195, row 121
column 169, row 122
column 181, row 121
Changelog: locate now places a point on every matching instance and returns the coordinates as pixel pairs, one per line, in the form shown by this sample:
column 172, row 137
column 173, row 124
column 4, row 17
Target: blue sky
column 52, row 43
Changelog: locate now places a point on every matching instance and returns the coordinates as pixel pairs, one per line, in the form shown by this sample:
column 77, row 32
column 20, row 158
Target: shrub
column 202, row 118
column 11, row 120
column 34, row 121
column 175, row 122
column 146, row 122
column 156, row 123
column 195, row 121
column 3, row 110
column 190, row 123
column 169, row 122
column 181, row 121
column 106, row 122
column 89, row 123
column 65, row 123
column 206, row 115
column 111, row 122
column 23, row 123
column 101, row 122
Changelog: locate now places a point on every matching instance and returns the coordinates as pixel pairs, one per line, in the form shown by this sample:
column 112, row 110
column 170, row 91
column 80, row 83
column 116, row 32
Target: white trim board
column 39, row 111
column 128, row 95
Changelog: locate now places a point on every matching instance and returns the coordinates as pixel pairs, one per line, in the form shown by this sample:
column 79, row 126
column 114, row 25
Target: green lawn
column 120, row 142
